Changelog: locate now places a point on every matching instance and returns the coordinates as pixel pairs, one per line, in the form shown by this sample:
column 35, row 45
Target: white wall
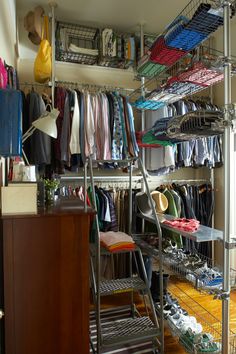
column 8, row 31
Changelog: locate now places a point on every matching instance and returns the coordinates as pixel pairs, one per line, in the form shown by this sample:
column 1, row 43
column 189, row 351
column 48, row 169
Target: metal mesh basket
column 141, row 103
column 164, row 55
column 195, row 23
column 76, row 44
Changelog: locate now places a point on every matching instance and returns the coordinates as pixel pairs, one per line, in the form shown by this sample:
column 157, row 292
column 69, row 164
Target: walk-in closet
column 117, row 176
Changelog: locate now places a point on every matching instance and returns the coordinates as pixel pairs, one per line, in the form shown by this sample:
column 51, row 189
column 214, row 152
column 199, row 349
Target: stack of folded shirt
column 189, row 225
column 116, row 241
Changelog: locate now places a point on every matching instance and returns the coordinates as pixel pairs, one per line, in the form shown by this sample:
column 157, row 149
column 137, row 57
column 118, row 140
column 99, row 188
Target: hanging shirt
column 75, row 127
column 88, row 125
column 105, row 131
column 117, row 141
column 65, row 132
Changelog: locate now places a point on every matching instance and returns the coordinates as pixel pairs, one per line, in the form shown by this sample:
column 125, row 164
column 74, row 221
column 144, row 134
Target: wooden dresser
column 46, row 281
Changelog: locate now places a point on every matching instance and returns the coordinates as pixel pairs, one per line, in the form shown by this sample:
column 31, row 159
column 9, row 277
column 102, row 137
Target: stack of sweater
column 116, row 241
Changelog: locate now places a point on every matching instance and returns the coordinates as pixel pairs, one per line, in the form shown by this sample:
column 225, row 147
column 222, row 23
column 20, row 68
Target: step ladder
column 137, row 328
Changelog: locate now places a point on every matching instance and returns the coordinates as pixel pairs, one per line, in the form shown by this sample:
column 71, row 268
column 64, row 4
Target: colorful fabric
column 188, row 225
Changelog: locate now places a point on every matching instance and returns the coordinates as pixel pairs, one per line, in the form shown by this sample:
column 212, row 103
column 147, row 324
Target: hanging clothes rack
column 78, row 84
column 182, row 181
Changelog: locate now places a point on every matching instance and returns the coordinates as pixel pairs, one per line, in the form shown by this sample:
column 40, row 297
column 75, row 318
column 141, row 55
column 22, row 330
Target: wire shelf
column 204, row 275
column 76, row 43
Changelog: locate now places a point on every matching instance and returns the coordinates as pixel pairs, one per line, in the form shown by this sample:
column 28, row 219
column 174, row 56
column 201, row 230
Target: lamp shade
column 47, row 123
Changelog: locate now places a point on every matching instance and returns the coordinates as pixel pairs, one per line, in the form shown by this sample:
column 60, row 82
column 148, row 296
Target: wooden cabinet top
column 69, row 207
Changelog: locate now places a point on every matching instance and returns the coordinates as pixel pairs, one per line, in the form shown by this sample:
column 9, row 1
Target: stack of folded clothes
column 116, row 241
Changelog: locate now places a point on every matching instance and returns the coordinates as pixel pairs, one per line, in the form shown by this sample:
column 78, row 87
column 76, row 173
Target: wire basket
column 76, row 44
column 164, row 55
column 139, row 136
column 200, row 74
column 148, row 69
column 183, row 88
column 195, row 23
column 117, row 50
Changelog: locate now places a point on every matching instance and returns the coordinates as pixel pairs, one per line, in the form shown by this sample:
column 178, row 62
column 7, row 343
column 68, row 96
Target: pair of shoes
column 170, row 247
column 205, row 343
column 186, row 323
column 199, row 343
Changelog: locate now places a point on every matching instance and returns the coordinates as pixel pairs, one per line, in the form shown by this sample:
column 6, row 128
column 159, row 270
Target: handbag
column 43, row 61
column 3, row 75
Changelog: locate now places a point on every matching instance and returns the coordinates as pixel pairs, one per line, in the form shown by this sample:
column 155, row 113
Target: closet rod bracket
column 231, row 245
column 221, row 295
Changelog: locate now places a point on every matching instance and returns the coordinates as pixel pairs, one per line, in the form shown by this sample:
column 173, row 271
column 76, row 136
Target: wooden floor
column 206, row 310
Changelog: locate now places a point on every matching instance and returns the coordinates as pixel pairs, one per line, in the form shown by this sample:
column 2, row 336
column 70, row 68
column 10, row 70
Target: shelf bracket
column 231, row 245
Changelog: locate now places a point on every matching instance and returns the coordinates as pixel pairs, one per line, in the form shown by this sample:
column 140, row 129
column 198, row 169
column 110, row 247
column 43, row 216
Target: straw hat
column 33, row 24
column 160, row 200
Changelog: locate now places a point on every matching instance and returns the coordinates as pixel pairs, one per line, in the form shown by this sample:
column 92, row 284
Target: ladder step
column 128, row 330
column 115, row 286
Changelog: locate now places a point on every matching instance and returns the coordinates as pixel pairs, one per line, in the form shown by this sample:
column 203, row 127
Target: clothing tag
column 216, row 12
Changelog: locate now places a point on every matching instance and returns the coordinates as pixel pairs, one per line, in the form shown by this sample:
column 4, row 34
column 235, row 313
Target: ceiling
column 125, row 15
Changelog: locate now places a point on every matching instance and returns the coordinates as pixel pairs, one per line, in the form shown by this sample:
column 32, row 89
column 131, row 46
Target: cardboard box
column 19, row 198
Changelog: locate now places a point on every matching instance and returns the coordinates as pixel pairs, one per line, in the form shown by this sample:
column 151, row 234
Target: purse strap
column 45, row 30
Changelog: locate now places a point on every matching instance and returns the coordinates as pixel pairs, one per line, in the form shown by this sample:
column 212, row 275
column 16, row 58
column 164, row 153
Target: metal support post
column 142, row 94
column 85, row 185
column 227, row 197
column 143, row 155
column 130, row 197
column 53, row 5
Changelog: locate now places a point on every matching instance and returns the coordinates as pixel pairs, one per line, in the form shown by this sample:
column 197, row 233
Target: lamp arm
column 28, row 133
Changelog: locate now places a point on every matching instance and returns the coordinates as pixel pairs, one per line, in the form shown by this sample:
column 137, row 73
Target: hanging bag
column 3, row 75
column 43, row 61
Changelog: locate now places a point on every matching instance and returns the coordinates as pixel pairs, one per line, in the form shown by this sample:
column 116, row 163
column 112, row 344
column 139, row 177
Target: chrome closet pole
column 98, row 262
column 227, row 199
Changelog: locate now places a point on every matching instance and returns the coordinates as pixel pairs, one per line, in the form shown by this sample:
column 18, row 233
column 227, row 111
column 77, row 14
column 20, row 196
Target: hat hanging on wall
column 161, row 202
column 33, row 24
